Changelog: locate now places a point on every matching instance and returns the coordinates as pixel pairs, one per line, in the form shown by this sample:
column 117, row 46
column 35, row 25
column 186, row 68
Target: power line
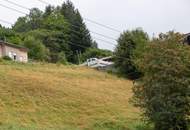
column 44, row 2
column 72, row 25
column 108, row 37
column 89, row 20
column 98, row 38
column 71, row 30
column 13, row 3
column 71, row 43
column 13, row 9
column 102, row 35
column 107, row 42
column 104, row 41
column 6, row 22
column 105, row 26
column 87, row 48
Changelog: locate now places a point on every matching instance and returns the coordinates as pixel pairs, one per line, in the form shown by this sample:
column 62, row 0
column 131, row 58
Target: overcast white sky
column 153, row 16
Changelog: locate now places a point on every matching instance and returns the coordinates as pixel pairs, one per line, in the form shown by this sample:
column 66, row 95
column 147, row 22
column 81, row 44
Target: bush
column 7, row 58
column 62, row 58
column 130, row 45
column 95, row 53
column 138, row 125
column 164, row 93
column 37, row 51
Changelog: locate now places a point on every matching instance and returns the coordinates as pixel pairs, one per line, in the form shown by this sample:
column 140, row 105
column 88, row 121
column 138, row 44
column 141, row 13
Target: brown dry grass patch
column 51, row 96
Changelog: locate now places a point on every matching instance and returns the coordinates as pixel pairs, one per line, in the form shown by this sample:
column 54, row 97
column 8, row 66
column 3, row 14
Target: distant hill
column 49, row 96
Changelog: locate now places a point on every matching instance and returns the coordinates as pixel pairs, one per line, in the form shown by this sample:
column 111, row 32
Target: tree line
column 57, row 34
column 160, row 67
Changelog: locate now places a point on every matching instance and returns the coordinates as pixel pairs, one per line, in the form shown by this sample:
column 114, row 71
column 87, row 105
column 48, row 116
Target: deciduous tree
column 163, row 93
column 131, row 44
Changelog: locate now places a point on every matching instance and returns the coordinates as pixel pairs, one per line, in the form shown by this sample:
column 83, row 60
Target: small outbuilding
column 15, row 52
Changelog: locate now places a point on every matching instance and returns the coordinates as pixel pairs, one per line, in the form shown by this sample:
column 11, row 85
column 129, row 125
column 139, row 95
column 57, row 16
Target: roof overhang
column 21, row 48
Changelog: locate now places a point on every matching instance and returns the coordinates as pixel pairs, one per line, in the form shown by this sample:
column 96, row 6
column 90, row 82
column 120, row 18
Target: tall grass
column 48, row 96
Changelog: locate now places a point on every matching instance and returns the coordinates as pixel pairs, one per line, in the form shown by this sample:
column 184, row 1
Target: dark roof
column 22, row 48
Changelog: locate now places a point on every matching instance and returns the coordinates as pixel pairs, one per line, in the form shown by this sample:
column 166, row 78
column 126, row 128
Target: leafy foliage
column 171, row 36
column 60, row 29
column 164, row 93
column 131, row 44
column 37, row 50
column 7, row 58
column 79, row 35
column 95, row 53
column 9, row 35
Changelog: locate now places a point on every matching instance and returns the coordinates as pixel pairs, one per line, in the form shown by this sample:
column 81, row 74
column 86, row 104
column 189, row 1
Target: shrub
column 130, row 45
column 163, row 93
column 62, row 58
column 7, row 58
column 37, row 51
column 95, row 53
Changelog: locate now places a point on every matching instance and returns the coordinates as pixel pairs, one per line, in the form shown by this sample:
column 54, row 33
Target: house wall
column 20, row 55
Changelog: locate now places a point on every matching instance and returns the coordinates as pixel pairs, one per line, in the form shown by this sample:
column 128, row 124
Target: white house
column 15, row 52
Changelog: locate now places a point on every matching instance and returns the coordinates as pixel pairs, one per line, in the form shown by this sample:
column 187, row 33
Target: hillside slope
column 47, row 96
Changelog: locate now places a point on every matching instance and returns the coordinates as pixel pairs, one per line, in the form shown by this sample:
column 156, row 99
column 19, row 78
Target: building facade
column 15, row 52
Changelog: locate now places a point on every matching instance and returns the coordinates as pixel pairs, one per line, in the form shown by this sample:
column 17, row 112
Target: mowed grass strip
column 48, row 96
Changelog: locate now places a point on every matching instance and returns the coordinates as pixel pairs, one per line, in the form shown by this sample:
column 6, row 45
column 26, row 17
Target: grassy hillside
column 47, row 96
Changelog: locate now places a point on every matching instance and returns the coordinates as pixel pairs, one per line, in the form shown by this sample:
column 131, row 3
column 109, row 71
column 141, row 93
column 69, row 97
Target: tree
column 9, row 35
column 29, row 22
column 94, row 44
column 62, row 58
column 171, row 36
column 163, row 93
column 58, row 35
column 37, row 50
column 48, row 11
column 131, row 44
column 21, row 25
column 61, row 29
column 35, row 18
column 79, row 35
column 50, row 28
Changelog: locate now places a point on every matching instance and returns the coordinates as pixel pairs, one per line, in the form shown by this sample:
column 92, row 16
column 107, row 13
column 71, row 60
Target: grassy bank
column 48, row 96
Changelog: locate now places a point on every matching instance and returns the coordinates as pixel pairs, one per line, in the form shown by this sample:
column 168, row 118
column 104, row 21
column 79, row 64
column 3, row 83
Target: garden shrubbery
column 163, row 93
